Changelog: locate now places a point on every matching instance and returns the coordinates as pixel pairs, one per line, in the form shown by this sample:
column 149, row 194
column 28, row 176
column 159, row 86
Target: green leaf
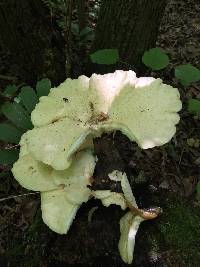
column 8, row 156
column 9, row 133
column 87, row 34
column 10, row 90
column 155, row 59
column 75, row 29
column 198, row 190
column 86, row 31
column 187, row 74
column 43, row 87
column 105, row 56
column 28, row 98
column 194, row 106
column 17, row 115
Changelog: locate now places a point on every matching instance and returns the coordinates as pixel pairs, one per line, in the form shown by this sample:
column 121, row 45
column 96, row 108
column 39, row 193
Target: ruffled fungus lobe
column 62, row 192
column 129, row 225
column 144, row 109
column 56, row 157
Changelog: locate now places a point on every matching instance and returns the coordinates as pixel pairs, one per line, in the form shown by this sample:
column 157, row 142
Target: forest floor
column 165, row 177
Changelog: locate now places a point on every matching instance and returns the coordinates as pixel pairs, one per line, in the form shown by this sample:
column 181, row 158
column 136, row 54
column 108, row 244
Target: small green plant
column 17, row 111
column 187, row 74
column 84, row 36
column 155, row 59
column 194, row 106
column 10, row 90
column 105, row 56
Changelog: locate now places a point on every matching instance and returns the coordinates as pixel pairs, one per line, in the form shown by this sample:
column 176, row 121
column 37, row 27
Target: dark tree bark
column 81, row 6
column 29, row 33
column 131, row 26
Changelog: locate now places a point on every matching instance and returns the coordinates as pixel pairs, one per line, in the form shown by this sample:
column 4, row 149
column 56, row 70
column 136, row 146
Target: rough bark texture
column 131, row 26
column 81, row 5
column 28, row 32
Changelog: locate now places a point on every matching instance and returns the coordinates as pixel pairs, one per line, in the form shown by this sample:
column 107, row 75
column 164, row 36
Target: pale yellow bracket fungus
column 57, row 212
column 56, row 142
column 126, row 188
column 144, row 109
column 129, row 225
column 62, row 192
column 130, row 222
column 108, row 198
column 56, row 158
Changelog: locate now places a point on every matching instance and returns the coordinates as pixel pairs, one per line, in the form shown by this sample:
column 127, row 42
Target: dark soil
column 165, row 177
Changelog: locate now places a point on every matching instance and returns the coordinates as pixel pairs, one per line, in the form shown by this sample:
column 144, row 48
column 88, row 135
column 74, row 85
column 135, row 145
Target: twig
column 8, row 78
column 180, row 159
column 22, row 195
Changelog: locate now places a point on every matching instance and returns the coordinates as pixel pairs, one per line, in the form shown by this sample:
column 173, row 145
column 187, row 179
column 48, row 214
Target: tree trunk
column 131, row 26
column 81, row 4
column 29, row 33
